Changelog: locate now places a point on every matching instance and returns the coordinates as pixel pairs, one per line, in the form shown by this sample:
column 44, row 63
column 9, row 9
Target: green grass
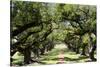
column 52, row 57
column 69, row 56
column 17, row 59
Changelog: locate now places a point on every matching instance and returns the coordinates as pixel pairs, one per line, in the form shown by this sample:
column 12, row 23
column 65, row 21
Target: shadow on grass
column 20, row 63
column 75, row 59
column 55, row 52
column 72, row 59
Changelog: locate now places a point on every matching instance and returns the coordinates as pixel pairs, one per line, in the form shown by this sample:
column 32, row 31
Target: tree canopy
column 37, row 26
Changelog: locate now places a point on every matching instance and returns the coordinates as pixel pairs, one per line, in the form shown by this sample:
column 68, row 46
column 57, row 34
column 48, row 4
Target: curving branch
column 23, row 28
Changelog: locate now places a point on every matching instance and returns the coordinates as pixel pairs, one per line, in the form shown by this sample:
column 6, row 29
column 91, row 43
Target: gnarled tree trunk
column 92, row 53
column 92, row 50
column 27, row 55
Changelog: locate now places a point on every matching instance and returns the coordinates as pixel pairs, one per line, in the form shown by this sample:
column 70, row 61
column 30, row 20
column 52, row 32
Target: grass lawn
column 52, row 57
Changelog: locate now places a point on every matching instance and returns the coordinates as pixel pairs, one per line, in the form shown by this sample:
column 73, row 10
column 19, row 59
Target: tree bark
column 92, row 53
column 83, row 50
column 42, row 51
column 77, row 50
column 27, row 55
column 93, row 48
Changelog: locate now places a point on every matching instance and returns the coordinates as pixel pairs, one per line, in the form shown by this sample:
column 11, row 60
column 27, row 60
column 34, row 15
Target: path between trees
column 60, row 55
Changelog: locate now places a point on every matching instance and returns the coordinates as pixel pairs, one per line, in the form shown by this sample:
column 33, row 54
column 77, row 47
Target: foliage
column 36, row 26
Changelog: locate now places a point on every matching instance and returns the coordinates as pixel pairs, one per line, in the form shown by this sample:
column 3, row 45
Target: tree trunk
column 92, row 53
column 43, row 51
column 83, row 50
column 93, row 48
column 27, row 55
column 77, row 50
